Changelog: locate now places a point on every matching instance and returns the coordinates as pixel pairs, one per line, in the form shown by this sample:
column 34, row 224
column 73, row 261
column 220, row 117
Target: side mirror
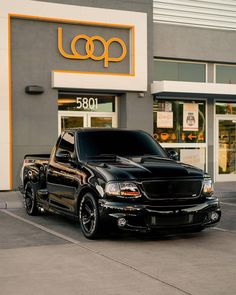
column 173, row 155
column 63, row 156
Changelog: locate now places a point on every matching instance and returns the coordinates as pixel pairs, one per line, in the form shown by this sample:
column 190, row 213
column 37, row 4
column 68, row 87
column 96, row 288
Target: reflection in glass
column 171, row 128
column 226, row 74
column 227, row 145
column 179, row 71
column 71, row 122
column 225, row 108
column 86, row 103
column 192, row 156
column 101, row 122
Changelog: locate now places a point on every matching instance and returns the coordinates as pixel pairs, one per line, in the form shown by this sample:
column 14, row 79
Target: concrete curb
column 222, row 195
column 11, row 205
column 11, row 200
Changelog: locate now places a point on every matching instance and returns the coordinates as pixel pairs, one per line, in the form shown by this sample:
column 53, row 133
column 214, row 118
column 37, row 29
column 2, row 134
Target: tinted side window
column 67, row 143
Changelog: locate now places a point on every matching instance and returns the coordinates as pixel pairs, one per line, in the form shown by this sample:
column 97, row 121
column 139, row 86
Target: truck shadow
column 71, row 227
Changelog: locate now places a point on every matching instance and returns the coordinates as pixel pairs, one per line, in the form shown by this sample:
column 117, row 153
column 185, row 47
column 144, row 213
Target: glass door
column 102, row 120
column 71, row 120
column 83, row 119
column 77, row 110
column 226, row 148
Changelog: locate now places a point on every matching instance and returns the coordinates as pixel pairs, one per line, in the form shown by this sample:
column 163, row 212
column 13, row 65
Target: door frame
column 221, row 177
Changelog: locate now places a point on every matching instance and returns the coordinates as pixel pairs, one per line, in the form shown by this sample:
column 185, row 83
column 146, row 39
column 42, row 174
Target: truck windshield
column 99, row 143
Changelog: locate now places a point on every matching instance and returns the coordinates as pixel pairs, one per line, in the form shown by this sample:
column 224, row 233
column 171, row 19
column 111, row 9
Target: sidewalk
column 14, row 200
column 225, row 189
column 11, row 200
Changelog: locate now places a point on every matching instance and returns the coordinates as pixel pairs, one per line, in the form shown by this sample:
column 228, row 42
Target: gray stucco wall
column 131, row 5
column 202, row 44
column 34, row 117
column 33, row 57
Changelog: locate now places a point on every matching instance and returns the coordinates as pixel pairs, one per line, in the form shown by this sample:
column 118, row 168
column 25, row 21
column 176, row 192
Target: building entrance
column 77, row 119
column 226, row 148
column 86, row 110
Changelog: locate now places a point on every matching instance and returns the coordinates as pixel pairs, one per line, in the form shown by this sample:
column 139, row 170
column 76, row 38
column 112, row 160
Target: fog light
column 121, row 222
column 214, row 216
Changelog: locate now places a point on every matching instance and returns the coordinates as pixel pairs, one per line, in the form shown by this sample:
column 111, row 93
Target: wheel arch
column 30, row 175
column 82, row 192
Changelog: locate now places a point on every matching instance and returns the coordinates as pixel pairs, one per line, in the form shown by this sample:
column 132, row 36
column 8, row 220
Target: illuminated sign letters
column 90, row 48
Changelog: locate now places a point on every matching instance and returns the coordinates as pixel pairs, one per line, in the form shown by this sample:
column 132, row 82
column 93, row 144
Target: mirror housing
column 173, row 155
column 63, row 156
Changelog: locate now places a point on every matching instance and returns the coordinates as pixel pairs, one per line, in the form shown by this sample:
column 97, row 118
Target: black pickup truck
column 118, row 177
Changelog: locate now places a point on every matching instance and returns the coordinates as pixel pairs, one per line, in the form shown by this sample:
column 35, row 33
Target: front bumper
column 144, row 218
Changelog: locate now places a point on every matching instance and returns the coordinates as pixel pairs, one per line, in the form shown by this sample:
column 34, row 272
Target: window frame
column 183, row 61
column 222, row 64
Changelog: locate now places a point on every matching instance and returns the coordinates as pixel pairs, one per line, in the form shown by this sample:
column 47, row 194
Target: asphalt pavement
column 47, row 254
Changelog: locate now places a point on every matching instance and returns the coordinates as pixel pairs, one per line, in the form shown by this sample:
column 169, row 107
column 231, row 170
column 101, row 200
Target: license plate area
column 171, row 220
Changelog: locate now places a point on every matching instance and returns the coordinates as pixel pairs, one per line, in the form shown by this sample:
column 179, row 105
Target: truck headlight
column 208, row 187
column 122, row 189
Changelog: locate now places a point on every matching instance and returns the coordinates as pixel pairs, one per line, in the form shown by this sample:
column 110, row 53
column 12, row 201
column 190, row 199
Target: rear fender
column 34, row 174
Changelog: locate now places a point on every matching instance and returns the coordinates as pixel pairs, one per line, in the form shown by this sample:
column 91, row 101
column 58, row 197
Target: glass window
column 194, row 156
column 86, row 103
column 179, row 71
column 179, row 121
column 227, row 147
column 101, row 122
column 180, row 125
column 225, row 108
column 67, row 142
column 226, row 74
column 71, row 122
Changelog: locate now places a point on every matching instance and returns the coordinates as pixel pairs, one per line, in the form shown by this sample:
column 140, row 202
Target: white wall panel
column 5, row 169
column 201, row 13
column 4, row 106
column 193, row 87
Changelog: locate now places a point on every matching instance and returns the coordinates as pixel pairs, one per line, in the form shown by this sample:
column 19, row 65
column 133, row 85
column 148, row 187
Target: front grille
column 172, row 189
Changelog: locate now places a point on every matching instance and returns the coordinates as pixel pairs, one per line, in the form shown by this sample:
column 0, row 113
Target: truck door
column 61, row 175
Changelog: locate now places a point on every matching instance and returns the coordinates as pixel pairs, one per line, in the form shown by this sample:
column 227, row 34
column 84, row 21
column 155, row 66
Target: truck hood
column 139, row 169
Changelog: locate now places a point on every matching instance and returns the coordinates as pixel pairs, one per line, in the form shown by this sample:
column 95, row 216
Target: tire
column 89, row 216
column 31, row 206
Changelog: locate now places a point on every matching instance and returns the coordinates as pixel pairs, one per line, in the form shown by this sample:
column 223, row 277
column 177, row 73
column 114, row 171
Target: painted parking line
column 78, row 243
column 225, row 230
column 52, row 232
column 230, row 204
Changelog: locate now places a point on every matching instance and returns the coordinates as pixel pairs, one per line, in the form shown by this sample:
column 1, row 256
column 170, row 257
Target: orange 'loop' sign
column 89, row 48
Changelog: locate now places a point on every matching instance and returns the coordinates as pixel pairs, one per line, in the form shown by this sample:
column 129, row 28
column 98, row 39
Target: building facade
column 194, row 82
column 70, row 64
column 167, row 67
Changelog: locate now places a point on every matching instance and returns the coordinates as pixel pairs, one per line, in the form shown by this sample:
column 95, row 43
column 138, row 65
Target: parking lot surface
column 48, row 254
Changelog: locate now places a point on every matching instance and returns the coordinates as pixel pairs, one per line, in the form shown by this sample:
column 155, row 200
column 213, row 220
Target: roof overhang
column 193, row 89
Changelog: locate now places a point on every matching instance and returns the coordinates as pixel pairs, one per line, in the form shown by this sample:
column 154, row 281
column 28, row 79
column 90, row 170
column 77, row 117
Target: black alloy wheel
column 30, row 199
column 89, row 216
